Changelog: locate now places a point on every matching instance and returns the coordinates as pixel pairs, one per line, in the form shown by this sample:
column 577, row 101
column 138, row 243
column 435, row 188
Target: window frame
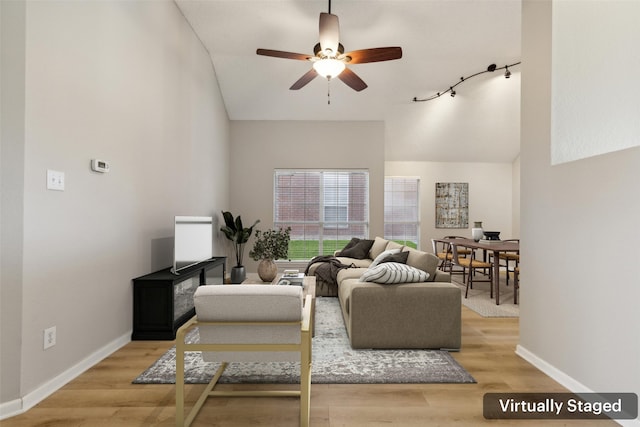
column 403, row 222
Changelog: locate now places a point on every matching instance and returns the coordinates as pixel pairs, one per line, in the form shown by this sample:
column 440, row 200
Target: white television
column 193, row 241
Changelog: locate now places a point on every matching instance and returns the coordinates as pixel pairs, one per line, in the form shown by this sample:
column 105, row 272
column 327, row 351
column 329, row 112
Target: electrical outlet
column 49, row 337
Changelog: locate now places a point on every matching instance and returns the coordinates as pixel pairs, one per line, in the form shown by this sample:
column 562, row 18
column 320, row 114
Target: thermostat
column 100, row 165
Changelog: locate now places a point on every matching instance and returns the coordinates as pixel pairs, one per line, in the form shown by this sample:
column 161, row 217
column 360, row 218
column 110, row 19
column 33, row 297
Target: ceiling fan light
column 328, row 67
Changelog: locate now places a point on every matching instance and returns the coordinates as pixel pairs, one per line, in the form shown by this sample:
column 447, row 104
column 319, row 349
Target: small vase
column 267, row 270
column 238, row 274
column 477, row 232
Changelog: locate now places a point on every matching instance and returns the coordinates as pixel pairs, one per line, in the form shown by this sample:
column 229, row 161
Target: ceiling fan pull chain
column 328, row 91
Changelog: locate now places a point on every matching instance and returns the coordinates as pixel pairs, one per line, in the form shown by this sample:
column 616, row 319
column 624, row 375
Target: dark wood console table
column 163, row 301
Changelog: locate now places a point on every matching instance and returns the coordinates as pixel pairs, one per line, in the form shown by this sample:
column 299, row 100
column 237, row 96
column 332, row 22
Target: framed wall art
column 452, row 204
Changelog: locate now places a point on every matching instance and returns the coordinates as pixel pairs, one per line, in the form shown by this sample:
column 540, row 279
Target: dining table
column 491, row 246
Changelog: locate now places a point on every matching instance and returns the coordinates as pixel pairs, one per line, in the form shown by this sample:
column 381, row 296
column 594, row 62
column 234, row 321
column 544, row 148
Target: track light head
column 491, row 67
column 507, row 73
column 453, row 92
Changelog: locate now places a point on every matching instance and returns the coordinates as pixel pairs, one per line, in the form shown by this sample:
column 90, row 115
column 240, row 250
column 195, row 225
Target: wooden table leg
column 496, row 275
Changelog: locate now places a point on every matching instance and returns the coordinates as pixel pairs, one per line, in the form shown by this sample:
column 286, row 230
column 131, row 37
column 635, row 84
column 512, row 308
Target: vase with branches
column 269, row 246
column 239, row 235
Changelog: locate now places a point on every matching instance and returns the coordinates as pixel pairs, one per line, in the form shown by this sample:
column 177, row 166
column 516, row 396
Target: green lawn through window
column 307, row 249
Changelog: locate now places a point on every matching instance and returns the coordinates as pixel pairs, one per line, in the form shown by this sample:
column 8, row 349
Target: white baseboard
column 10, row 409
column 565, row 380
column 19, row 406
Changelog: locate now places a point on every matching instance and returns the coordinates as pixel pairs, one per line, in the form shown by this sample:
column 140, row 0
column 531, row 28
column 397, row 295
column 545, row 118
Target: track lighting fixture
column 490, row 69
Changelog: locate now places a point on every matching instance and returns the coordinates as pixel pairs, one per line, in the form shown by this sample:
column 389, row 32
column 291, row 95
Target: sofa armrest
column 412, row 315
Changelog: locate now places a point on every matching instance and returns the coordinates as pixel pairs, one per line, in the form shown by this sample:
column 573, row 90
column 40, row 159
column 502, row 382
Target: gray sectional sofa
column 418, row 314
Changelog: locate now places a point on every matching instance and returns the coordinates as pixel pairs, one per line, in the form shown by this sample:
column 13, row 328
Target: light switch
column 55, row 180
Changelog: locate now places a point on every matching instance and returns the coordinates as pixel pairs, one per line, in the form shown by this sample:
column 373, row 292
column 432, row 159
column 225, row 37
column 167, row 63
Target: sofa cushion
column 379, row 245
column 350, row 273
column 352, row 262
column 423, row 260
column 384, row 255
column 394, row 272
column 394, row 245
column 400, row 257
column 356, row 248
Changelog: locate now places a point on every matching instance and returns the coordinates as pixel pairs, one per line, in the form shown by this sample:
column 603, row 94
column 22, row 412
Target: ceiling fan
column 329, row 59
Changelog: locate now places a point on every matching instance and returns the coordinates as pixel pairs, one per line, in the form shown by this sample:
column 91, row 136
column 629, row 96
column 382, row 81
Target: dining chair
column 471, row 264
column 516, row 284
column 508, row 258
column 247, row 323
column 444, row 252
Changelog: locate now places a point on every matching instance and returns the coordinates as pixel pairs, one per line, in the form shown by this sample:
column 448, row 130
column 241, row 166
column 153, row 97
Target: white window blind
column 402, row 210
column 324, row 208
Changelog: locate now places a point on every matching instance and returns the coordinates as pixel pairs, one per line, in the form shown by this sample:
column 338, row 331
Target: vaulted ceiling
column 442, row 41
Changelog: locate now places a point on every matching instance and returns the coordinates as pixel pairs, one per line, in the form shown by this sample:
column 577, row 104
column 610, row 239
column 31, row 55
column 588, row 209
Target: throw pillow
column 379, row 245
column 394, row 245
column 393, row 272
column 423, row 260
column 382, row 256
column 400, row 257
column 352, row 243
column 360, row 250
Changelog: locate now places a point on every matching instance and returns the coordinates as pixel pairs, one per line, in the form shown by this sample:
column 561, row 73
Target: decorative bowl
column 492, row 235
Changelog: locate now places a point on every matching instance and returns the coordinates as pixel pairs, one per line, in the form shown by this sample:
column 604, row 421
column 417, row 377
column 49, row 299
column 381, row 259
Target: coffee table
column 308, row 288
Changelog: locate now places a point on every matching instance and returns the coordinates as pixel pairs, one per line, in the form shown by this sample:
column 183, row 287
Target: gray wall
column 12, row 197
column 126, row 82
column 259, row 147
column 579, row 293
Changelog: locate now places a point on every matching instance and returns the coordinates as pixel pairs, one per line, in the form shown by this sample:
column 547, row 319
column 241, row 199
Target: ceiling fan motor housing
column 317, row 51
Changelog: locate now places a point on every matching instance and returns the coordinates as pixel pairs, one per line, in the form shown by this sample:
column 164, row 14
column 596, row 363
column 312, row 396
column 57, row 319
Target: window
column 402, row 210
column 324, row 208
column 336, row 197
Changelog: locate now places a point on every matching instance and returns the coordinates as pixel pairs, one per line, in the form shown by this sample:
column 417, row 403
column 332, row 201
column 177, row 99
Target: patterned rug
column 334, row 362
column 479, row 299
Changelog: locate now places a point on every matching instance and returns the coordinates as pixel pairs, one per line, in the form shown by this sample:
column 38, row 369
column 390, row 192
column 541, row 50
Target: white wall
column 259, row 147
column 515, row 202
column 126, row 82
column 594, row 41
column 579, row 224
column 490, row 195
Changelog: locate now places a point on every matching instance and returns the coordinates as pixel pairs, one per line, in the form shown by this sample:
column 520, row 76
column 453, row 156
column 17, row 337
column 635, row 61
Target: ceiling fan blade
column 302, row 81
column 329, row 34
column 352, row 80
column 281, row 54
column 376, row 54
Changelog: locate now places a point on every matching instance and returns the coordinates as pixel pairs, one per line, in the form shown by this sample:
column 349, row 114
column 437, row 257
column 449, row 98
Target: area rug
column 334, row 362
column 480, row 301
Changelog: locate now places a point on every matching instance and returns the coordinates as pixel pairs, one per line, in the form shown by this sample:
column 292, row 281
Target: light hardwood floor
column 104, row 395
